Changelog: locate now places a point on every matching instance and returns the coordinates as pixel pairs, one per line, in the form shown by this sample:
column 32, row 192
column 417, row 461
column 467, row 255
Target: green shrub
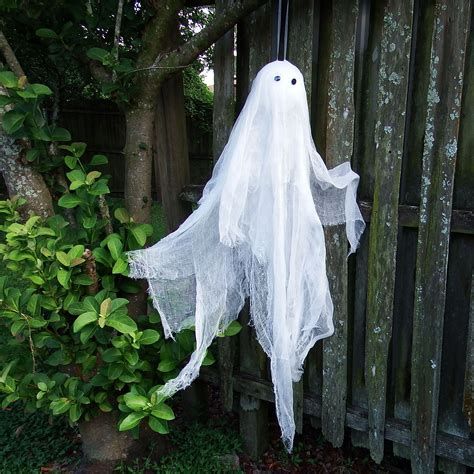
column 85, row 352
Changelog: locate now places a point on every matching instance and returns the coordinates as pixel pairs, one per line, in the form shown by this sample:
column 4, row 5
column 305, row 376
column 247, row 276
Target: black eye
column 277, row 78
column 293, row 81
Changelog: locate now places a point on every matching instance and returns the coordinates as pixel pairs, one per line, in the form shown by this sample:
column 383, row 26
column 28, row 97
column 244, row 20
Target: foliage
column 29, row 441
column 199, row 449
column 71, row 32
column 86, row 353
column 198, row 100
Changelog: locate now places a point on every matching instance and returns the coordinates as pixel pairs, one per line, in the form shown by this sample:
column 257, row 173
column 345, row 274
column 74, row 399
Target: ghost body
column 258, row 234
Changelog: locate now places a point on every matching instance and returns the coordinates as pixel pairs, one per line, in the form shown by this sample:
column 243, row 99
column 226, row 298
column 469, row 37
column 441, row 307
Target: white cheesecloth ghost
column 258, row 233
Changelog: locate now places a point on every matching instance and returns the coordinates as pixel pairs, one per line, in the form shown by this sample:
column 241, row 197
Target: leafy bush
column 86, row 353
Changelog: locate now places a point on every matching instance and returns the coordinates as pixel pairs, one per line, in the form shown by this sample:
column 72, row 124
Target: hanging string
column 282, row 29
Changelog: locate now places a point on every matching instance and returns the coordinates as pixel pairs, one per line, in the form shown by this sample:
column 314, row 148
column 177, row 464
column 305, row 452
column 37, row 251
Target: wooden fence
column 102, row 126
column 391, row 88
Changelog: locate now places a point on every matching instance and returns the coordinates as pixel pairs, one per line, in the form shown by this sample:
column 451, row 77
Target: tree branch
column 223, row 22
column 118, row 23
column 10, row 56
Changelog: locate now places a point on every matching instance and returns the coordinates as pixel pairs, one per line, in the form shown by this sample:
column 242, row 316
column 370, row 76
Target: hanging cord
column 282, row 29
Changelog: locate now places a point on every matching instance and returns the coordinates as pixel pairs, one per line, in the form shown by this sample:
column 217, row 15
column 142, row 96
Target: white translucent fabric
column 258, row 233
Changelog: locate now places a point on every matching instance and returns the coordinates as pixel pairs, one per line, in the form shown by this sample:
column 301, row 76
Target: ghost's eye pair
column 277, row 78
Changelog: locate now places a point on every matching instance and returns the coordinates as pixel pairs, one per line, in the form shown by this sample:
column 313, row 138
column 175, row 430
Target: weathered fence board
column 468, row 398
column 439, row 156
column 300, row 50
column 339, row 109
column 394, row 54
column 256, row 32
column 223, row 120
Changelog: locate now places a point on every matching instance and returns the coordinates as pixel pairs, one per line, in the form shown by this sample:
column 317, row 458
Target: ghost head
column 258, row 234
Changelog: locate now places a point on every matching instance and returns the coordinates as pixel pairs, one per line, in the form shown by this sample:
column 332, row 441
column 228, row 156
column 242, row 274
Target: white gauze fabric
column 258, row 233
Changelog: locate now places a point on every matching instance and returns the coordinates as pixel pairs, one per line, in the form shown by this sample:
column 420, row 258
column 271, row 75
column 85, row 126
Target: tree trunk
column 22, row 180
column 138, row 160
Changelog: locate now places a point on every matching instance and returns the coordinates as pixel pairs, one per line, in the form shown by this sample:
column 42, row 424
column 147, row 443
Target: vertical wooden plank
column 255, row 37
column 364, row 85
column 223, row 119
column 313, row 369
column 389, row 135
column 339, row 148
column 300, row 53
column 439, row 157
column 171, row 151
column 468, row 405
column 253, row 414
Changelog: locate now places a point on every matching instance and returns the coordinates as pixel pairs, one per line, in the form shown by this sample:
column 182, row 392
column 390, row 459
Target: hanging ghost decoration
column 258, row 234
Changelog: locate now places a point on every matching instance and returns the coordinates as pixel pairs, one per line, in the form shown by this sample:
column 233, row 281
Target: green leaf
column 209, row 359
column 118, row 303
column 111, row 355
column 84, row 319
column 98, row 160
column 76, row 185
column 63, row 277
column 32, row 154
column 98, row 54
column 69, row 201
column 59, row 406
column 41, row 89
column 167, row 365
column 233, row 328
column 158, row 425
column 122, row 323
column 75, row 412
column 41, row 134
column 83, row 280
column 89, row 222
column 135, row 402
column 70, row 161
column 8, row 79
column 78, row 148
column 149, row 336
column 114, row 371
column 105, row 307
column 60, row 135
column 76, row 251
column 58, row 358
column 5, row 100
column 131, row 421
column 122, row 215
column 120, row 266
column 116, row 247
column 46, row 33
column 131, row 357
column 92, row 176
column 27, row 93
column 63, row 258
column 13, row 121
column 87, row 333
column 163, row 411
column 76, row 175
column 36, row 279
column 140, row 234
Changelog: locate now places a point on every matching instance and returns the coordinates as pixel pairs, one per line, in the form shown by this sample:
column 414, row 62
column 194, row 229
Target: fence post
column 339, row 46
column 448, row 47
column 389, row 137
column 223, row 120
column 254, row 51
